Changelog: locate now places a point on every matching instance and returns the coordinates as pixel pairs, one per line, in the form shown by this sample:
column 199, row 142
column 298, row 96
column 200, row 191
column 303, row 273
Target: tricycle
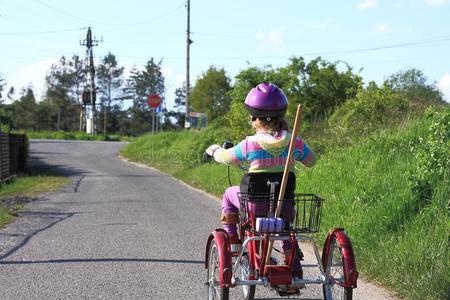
column 253, row 265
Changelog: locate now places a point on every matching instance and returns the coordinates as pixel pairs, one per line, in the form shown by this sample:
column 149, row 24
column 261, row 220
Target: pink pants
column 230, row 204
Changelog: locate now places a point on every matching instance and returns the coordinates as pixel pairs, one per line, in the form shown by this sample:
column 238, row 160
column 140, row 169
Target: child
column 266, row 152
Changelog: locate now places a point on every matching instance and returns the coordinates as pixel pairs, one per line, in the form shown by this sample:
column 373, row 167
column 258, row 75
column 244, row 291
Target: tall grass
column 399, row 240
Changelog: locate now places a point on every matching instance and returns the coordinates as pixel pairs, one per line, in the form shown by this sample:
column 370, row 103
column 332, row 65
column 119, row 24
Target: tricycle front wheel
column 334, row 269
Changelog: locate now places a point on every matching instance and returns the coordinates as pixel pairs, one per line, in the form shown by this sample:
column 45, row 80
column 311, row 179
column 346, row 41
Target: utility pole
column 81, row 118
column 188, row 44
column 89, row 99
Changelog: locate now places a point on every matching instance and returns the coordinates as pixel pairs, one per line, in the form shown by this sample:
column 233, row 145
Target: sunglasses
column 268, row 119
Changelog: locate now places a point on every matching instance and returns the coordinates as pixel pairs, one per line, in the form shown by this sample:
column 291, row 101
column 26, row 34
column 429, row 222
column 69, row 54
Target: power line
column 341, row 52
column 37, row 32
column 440, row 40
column 408, row 59
column 110, row 24
column 402, row 45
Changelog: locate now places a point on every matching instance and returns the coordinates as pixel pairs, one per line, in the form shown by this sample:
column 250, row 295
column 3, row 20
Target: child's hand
column 211, row 149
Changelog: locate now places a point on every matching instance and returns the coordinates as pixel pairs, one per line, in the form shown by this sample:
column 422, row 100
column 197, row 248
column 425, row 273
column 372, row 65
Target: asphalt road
column 118, row 231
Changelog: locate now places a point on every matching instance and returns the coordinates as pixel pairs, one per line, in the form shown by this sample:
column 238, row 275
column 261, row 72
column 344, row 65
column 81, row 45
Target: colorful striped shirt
column 266, row 153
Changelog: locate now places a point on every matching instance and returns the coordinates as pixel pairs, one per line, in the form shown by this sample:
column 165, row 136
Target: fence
column 13, row 153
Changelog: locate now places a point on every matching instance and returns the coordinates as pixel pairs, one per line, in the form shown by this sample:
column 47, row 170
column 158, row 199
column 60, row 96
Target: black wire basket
column 301, row 214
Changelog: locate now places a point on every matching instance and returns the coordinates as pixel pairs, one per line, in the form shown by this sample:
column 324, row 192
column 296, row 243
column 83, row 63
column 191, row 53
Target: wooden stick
column 286, row 172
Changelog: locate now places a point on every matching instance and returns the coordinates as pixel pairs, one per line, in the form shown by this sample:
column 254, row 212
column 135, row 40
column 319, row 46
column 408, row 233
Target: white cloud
column 444, row 86
column 272, row 38
column 367, row 4
column 382, row 28
column 32, row 76
column 259, row 35
column 437, row 2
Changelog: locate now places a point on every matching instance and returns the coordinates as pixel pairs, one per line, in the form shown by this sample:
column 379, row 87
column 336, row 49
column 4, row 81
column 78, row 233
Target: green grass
column 6, row 216
column 27, row 186
column 399, row 240
column 79, row 135
column 175, row 153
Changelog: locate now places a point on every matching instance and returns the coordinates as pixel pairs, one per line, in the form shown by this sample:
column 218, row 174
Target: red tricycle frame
column 337, row 267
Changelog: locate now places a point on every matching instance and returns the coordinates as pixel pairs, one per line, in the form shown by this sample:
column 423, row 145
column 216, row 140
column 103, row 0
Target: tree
column 5, row 114
column 414, row 84
column 109, row 82
column 77, row 77
column 117, row 120
column 238, row 117
column 210, row 93
column 24, row 111
column 65, row 83
column 323, row 87
column 47, row 118
column 11, row 93
column 179, row 110
column 138, row 86
column 2, row 85
column 318, row 85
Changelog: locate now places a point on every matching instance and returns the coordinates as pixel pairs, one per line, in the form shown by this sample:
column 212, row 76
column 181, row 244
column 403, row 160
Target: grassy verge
column 399, row 240
column 25, row 187
column 63, row 135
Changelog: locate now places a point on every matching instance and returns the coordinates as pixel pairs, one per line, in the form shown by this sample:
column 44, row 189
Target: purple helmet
column 266, row 100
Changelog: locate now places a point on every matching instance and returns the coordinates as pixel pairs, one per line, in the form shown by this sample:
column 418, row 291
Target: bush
column 215, row 133
column 372, row 109
column 80, row 135
column 414, row 85
column 62, row 135
column 432, row 155
column 112, row 138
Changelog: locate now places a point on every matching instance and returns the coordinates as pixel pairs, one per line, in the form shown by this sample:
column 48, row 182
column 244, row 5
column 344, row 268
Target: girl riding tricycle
column 265, row 209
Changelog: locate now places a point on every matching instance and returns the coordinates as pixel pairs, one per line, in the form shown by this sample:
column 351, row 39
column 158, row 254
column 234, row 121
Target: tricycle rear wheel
column 214, row 289
column 247, row 290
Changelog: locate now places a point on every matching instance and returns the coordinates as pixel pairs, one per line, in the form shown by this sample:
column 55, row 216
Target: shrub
column 432, row 155
column 80, row 135
column 216, row 133
column 414, row 85
column 62, row 135
column 372, row 109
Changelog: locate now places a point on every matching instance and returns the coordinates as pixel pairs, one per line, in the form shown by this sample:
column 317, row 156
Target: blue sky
column 375, row 37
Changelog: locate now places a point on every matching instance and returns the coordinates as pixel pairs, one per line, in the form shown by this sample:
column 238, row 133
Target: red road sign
column 154, row 100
